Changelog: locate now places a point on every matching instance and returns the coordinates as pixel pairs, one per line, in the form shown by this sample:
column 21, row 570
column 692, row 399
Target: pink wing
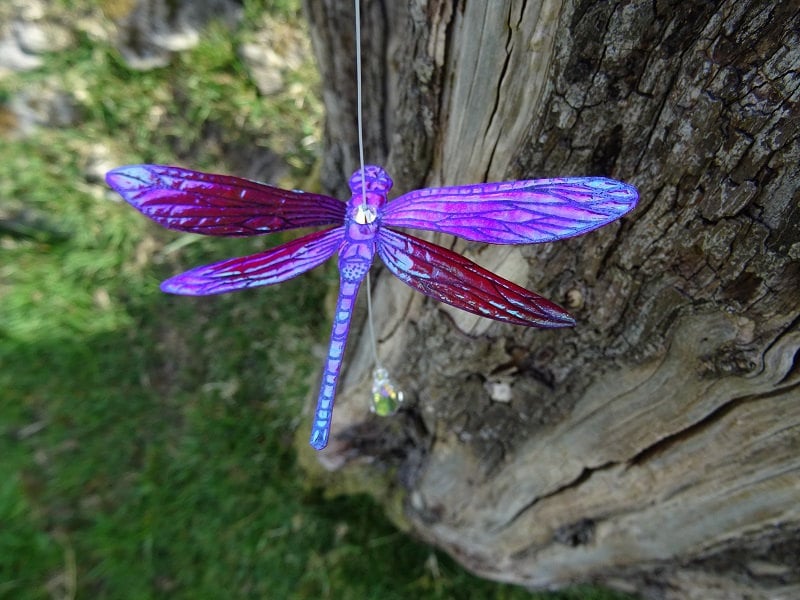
column 219, row 204
column 451, row 278
column 273, row 266
column 514, row 212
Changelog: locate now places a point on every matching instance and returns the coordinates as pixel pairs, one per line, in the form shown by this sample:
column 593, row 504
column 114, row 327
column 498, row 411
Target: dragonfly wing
column 455, row 280
column 265, row 268
column 514, row 212
column 219, row 204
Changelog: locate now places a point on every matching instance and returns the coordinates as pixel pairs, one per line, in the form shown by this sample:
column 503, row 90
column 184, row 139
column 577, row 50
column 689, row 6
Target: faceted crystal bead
column 386, row 397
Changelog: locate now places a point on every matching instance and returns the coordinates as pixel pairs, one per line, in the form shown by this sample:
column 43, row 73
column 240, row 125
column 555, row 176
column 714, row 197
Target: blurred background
column 147, row 442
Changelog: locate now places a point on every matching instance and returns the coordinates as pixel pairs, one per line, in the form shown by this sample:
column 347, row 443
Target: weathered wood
column 657, row 445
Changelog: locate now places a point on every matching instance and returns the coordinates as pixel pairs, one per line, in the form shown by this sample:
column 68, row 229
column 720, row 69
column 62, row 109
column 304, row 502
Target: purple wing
column 451, row 278
column 273, row 266
column 514, row 212
column 219, row 204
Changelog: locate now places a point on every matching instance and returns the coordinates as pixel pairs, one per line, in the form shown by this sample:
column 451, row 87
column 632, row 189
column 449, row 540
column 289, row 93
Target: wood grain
column 655, row 447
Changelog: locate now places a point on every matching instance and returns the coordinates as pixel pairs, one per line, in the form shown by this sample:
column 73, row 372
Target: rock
column 13, row 58
column 43, row 107
column 275, row 50
column 150, row 32
column 27, row 33
column 41, row 37
column 264, row 65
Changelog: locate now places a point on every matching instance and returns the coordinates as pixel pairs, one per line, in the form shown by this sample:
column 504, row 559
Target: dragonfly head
column 376, row 180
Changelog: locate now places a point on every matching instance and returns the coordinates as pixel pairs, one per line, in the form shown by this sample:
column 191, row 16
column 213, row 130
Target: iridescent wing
column 514, row 212
column 265, row 268
column 451, row 278
column 219, row 204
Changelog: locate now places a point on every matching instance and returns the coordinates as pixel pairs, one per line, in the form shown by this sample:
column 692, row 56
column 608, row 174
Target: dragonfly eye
column 376, row 180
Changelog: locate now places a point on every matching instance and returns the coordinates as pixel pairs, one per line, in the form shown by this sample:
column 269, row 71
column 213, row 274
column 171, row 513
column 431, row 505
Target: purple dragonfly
column 514, row 212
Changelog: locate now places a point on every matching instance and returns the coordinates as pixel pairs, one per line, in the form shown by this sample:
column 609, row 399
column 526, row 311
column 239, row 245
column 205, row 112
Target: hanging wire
column 360, row 117
column 359, row 112
column 386, row 396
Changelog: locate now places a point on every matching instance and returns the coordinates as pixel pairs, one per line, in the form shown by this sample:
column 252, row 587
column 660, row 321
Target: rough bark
column 656, row 446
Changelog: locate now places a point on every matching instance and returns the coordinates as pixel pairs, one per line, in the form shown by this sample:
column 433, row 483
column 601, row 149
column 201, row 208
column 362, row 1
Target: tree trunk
column 655, row 446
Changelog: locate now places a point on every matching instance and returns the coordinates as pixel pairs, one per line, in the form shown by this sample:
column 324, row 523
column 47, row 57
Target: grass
column 147, row 440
